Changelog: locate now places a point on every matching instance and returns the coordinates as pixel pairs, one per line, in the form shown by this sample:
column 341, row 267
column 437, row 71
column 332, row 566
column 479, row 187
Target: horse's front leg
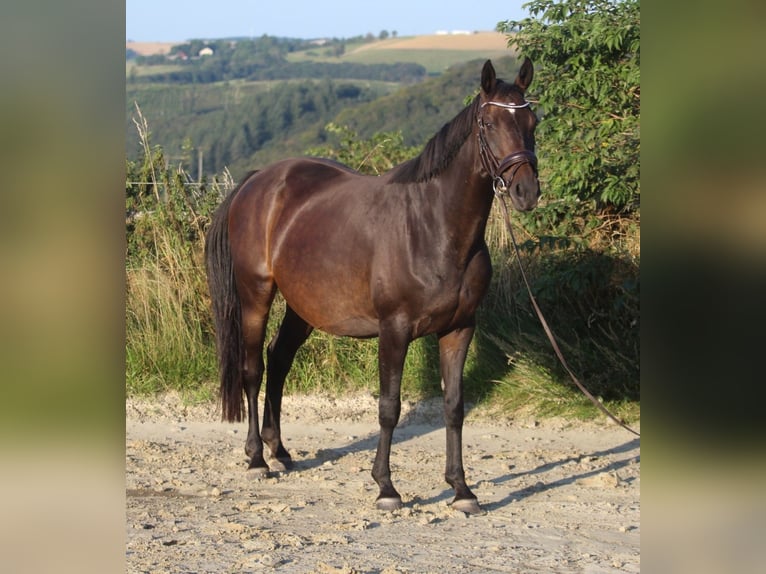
column 453, row 348
column 392, row 349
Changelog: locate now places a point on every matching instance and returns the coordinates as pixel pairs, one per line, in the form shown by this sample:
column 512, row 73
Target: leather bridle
column 496, row 168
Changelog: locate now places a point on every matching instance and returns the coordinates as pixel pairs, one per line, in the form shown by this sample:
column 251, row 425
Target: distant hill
column 483, row 41
column 243, row 124
column 419, row 111
column 435, row 52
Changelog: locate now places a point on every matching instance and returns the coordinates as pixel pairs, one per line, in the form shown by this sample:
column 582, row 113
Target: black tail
column 227, row 314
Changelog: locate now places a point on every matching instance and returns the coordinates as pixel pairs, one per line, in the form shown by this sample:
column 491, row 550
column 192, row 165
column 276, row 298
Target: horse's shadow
column 542, row 486
column 412, row 426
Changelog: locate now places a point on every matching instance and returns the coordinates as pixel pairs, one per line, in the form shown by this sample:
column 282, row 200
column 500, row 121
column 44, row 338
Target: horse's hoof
column 389, row 504
column 257, row 473
column 467, row 505
column 277, row 465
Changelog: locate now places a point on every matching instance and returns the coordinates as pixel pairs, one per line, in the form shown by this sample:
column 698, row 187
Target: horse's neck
column 467, row 196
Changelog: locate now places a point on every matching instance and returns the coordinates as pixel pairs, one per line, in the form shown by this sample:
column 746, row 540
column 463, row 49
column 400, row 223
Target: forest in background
column 216, row 108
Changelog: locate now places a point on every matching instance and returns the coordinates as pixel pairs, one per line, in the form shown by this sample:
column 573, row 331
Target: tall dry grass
column 169, row 337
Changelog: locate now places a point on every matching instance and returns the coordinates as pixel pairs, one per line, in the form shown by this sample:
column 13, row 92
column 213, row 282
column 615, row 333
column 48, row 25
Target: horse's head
column 507, row 136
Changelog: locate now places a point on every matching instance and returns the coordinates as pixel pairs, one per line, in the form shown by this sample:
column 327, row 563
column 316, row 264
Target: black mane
column 440, row 149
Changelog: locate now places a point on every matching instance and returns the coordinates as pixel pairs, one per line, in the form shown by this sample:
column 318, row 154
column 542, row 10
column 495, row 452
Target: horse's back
column 270, row 197
column 294, row 179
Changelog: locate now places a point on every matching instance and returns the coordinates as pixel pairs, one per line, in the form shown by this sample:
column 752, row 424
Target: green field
column 435, row 53
column 434, row 61
column 138, row 71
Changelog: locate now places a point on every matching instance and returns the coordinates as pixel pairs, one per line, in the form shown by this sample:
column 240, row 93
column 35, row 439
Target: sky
column 179, row 20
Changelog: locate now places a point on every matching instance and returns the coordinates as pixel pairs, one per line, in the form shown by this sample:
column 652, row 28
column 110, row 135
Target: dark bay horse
column 398, row 256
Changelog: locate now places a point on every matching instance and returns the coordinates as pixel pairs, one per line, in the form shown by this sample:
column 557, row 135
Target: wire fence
column 185, row 184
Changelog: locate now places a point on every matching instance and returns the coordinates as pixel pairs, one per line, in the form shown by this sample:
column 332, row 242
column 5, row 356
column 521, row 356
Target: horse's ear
column 526, row 73
column 488, row 78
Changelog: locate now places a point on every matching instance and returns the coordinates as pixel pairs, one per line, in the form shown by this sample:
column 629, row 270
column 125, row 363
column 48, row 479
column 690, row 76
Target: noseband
column 496, row 168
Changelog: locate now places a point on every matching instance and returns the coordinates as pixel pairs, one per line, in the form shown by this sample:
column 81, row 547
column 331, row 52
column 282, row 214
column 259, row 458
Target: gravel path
column 558, row 497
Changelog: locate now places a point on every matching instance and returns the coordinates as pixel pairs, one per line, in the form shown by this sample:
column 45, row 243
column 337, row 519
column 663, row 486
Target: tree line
column 218, row 71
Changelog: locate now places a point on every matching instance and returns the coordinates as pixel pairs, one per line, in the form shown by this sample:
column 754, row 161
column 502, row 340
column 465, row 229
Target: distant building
column 206, row 51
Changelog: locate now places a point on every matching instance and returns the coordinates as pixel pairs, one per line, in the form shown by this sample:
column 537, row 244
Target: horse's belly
column 340, row 322
column 335, row 305
column 360, row 327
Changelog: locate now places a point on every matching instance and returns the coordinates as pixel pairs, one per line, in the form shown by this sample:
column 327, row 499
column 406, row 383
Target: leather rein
column 496, row 169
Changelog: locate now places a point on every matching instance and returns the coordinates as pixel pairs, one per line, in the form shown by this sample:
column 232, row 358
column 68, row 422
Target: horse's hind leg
column 255, row 314
column 281, row 351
